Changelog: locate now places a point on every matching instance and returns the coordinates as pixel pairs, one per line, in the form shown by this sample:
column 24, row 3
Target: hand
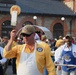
column 59, row 67
column 13, row 34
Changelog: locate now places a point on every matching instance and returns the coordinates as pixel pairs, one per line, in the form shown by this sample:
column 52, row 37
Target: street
column 9, row 71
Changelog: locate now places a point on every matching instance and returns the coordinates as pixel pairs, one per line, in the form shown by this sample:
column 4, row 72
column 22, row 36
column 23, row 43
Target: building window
column 57, row 30
column 6, row 28
column 7, row 3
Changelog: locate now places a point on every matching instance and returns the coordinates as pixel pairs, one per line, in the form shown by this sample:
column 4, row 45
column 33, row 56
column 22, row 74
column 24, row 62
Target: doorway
column 58, row 30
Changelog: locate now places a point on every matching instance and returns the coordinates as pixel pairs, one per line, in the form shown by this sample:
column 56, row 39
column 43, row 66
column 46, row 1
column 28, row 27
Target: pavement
column 9, row 71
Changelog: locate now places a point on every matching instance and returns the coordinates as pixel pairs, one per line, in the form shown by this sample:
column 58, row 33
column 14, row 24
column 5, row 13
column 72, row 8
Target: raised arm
column 12, row 37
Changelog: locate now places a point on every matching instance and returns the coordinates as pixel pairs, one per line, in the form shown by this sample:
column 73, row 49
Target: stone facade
column 46, row 21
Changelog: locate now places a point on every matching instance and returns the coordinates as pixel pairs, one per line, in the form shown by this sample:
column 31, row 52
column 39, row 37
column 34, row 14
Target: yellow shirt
column 42, row 57
column 14, row 43
column 42, row 43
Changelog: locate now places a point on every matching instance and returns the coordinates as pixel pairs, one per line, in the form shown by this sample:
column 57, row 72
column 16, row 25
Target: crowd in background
column 54, row 44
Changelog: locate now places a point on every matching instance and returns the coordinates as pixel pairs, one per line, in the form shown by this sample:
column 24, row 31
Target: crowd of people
column 35, row 54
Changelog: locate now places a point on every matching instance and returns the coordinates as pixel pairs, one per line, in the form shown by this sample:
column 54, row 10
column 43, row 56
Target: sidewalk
column 9, row 71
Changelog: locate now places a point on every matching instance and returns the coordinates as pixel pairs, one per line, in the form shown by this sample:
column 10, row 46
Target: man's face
column 69, row 40
column 29, row 39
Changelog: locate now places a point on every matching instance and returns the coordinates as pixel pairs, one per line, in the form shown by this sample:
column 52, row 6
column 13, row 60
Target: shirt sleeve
column 11, row 53
column 3, row 60
column 49, row 63
column 74, row 50
column 58, row 54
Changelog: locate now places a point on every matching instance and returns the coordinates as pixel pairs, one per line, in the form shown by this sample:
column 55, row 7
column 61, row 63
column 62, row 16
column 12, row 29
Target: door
column 58, row 30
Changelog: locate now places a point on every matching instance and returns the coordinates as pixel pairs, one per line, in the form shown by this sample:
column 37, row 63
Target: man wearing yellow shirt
column 31, row 57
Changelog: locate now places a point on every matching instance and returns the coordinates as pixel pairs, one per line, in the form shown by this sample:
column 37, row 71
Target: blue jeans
column 45, row 71
column 69, row 73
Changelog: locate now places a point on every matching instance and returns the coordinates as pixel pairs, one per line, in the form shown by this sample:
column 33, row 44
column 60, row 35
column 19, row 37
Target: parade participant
column 57, row 55
column 3, row 44
column 68, row 56
column 31, row 57
column 13, row 60
column 2, row 61
column 59, row 42
column 4, row 41
column 45, row 40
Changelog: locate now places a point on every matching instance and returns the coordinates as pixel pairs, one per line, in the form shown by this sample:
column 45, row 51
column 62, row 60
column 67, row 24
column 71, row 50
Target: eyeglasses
column 27, row 35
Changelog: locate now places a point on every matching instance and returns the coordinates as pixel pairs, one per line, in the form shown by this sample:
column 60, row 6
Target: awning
column 46, row 31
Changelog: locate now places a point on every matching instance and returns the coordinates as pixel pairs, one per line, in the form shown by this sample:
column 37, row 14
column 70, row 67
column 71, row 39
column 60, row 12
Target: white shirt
column 64, row 47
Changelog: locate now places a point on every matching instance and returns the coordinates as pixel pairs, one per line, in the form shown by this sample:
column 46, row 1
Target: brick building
column 57, row 15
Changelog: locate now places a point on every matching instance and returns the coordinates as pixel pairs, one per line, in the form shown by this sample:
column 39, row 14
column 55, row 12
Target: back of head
column 43, row 37
column 60, row 37
column 59, row 43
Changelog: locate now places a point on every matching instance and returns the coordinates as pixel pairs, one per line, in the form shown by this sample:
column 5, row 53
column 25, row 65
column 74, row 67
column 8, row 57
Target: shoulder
column 1, row 48
column 74, row 47
column 61, row 47
column 43, row 44
column 18, row 46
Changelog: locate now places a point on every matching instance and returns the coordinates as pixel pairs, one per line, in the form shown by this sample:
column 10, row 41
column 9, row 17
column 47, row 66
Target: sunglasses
column 27, row 35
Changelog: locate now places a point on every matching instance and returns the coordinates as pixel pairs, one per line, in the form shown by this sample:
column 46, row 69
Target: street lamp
column 35, row 18
column 63, row 18
column 70, row 23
